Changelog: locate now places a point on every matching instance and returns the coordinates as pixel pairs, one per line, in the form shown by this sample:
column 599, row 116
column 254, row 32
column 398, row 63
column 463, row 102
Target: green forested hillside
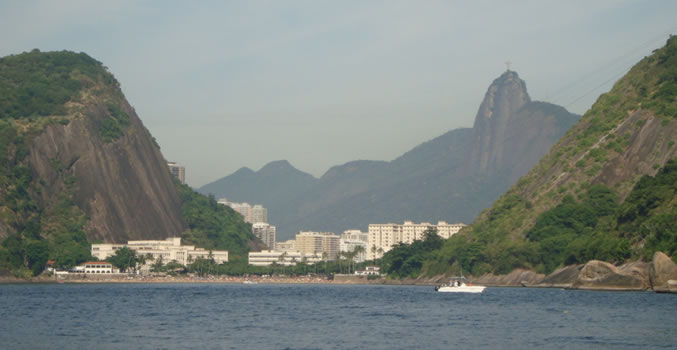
column 54, row 108
column 214, row 226
column 605, row 191
column 35, row 89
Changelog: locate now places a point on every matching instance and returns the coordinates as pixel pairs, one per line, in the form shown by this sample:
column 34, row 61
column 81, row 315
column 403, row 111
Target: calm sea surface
column 223, row 316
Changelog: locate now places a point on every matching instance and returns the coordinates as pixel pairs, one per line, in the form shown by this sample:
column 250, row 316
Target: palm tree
column 373, row 252
column 140, row 260
column 324, row 258
column 315, row 262
column 157, row 266
column 281, row 260
column 359, row 250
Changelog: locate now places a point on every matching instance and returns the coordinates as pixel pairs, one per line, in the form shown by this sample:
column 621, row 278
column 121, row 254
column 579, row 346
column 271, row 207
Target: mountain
column 452, row 177
column 274, row 185
column 79, row 166
column 605, row 191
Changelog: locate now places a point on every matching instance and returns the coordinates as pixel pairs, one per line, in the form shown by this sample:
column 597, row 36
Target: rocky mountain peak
column 506, row 95
column 276, row 166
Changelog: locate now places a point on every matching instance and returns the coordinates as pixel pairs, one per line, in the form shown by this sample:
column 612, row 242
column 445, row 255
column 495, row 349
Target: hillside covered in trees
column 605, row 191
column 77, row 166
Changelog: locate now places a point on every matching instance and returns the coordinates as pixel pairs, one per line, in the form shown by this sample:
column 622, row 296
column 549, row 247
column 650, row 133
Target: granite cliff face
column 78, row 156
column 452, row 177
column 505, row 97
column 123, row 186
column 511, row 132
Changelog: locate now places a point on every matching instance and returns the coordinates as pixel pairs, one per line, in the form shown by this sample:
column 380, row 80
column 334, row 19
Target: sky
column 227, row 84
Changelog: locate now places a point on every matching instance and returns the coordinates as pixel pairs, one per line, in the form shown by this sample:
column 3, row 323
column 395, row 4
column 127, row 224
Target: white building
column 251, row 214
column 169, row 249
column 268, row 257
column 355, row 235
column 318, row 243
column 97, row 267
column 258, row 214
column 286, row 246
column 351, row 240
column 266, row 233
column 382, row 237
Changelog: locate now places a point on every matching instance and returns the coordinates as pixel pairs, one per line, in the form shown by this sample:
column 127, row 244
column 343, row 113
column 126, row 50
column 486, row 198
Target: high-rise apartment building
column 265, row 232
column 252, row 215
column 317, row 243
column 355, row 235
column 179, row 171
column 382, row 237
column 351, row 240
column 259, row 214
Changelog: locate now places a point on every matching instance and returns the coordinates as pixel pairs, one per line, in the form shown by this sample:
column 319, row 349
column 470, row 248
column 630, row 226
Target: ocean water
column 285, row 316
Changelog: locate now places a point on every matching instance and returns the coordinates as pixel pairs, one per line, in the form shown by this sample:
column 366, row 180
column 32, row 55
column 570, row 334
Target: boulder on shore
column 564, row 277
column 661, row 271
column 518, row 277
column 602, row 275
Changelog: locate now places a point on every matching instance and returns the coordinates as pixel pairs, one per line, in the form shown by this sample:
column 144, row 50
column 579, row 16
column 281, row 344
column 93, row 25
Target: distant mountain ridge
column 452, row 177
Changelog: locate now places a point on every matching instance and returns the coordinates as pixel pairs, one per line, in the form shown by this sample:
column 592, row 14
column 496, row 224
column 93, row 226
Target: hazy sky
column 226, row 84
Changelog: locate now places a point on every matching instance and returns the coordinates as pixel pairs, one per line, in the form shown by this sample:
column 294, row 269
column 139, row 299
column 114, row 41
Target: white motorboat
column 458, row 285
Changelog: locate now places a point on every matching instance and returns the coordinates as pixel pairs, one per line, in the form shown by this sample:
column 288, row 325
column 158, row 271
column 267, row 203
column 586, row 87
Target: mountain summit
column 502, row 102
column 452, row 177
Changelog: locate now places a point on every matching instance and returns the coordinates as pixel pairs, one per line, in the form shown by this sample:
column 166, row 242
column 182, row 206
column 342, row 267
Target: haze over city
column 226, row 85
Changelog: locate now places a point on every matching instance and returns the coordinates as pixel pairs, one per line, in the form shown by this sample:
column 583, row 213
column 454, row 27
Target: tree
column 315, row 262
column 373, row 252
column 158, row 266
column 141, row 260
column 281, row 259
column 37, row 253
column 304, row 262
column 123, row 259
column 324, row 258
column 173, row 266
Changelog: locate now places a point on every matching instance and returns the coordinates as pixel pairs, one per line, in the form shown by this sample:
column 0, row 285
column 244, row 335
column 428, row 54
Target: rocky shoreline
column 660, row 275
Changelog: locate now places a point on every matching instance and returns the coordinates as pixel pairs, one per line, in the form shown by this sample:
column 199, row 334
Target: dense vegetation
column 41, row 233
column 542, row 223
column 41, row 83
column 573, row 232
column 53, row 232
column 648, row 217
column 553, row 216
column 406, row 260
column 114, row 126
column 213, row 226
